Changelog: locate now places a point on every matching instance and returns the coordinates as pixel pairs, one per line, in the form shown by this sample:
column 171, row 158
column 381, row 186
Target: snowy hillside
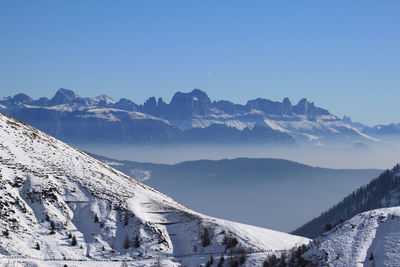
column 58, row 203
column 368, row 239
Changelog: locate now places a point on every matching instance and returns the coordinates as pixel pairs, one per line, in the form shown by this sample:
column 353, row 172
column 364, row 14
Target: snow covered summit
column 57, row 203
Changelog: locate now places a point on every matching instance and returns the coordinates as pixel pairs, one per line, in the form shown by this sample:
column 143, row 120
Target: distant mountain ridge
column 258, row 182
column 73, row 118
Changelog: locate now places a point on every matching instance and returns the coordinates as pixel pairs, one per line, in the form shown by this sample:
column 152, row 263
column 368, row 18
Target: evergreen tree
column 74, row 242
column 6, row 233
column 271, row 261
column 282, row 260
column 371, row 257
column 137, row 241
column 127, row 243
column 235, row 263
column 205, row 237
column 221, row 261
column 52, row 228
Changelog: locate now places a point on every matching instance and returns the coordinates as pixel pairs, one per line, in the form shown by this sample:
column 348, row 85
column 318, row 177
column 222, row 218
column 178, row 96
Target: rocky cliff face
column 304, row 122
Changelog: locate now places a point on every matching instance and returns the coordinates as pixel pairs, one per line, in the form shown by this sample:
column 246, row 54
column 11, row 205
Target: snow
column 352, row 242
column 45, row 182
column 275, row 126
column 113, row 114
column 318, row 130
column 198, row 122
column 107, row 100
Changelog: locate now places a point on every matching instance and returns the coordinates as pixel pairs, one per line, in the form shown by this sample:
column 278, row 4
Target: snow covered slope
column 58, row 203
column 371, row 238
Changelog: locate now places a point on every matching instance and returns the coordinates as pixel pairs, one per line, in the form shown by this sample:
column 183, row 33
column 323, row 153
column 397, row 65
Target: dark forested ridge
column 384, row 191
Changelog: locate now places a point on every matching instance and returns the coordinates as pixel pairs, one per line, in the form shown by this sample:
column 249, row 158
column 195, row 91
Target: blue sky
column 343, row 55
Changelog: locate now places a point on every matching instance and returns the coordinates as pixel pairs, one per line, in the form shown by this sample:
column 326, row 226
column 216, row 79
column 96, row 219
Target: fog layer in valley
column 264, row 198
column 381, row 156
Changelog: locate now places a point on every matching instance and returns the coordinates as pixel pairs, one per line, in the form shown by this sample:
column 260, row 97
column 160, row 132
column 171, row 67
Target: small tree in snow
column 6, row 233
column 52, row 228
column 221, row 261
column 328, row 227
column 371, row 257
column 74, row 242
column 127, row 242
column 205, row 237
column 137, row 241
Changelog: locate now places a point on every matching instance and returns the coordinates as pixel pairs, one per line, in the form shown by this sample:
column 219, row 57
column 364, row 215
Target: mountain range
column 188, row 118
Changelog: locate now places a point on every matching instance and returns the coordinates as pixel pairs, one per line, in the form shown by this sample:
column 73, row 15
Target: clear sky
column 344, row 55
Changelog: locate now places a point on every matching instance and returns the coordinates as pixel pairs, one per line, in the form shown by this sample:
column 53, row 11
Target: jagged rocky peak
column 287, row 105
column 196, row 95
column 304, row 107
column 43, row 101
column 22, row 98
column 150, row 106
column 63, row 96
column 160, row 101
column 269, row 107
column 228, row 107
column 16, row 99
column 347, row 119
column 126, row 104
column 195, row 102
column 266, row 105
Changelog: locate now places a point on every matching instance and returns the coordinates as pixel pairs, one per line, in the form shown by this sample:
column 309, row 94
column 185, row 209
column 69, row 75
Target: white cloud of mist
column 379, row 156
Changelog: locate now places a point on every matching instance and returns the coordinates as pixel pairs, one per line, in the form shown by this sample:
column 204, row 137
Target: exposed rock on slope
column 281, row 121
